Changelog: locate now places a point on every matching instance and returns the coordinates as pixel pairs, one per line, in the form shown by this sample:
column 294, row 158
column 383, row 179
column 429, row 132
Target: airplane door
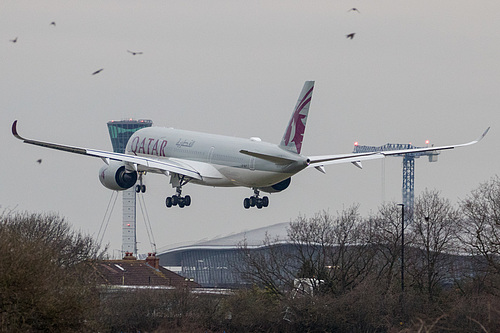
column 252, row 163
column 210, row 154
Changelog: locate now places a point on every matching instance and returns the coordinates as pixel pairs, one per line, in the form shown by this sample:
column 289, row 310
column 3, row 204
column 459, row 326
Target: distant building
column 212, row 263
column 132, row 273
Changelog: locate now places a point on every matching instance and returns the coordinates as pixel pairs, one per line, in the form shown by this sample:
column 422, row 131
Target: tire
column 168, row 202
column 175, row 200
column 265, row 201
column 246, row 203
column 253, row 201
column 143, row 188
column 259, row 204
column 181, row 203
column 187, row 200
column 137, row 188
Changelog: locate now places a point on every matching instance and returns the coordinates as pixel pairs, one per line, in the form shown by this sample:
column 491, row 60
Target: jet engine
column 278, row 187
column 115, row 176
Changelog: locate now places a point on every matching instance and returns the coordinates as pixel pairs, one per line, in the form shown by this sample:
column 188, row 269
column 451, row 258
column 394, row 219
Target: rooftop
column 252, row 238
column 132, row 272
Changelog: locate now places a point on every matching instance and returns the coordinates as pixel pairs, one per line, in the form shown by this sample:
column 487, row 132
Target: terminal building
column 216, row 263
column 211, row 263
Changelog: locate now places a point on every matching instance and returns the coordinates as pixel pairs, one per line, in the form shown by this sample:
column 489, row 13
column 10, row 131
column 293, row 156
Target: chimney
column 129, row 256
column 153, row 261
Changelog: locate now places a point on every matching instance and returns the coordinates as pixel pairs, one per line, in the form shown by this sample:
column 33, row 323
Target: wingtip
column 485, row 132
column 14, row 130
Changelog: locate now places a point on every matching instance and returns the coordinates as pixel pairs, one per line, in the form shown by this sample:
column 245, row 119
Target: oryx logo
column 297, row 125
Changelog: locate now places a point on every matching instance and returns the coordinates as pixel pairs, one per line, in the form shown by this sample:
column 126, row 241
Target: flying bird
column 97, row 71
column 14, row 40
column 354, row 10
column 39, row 161
column 351, row 35
column 53, row 23
column 134, row 53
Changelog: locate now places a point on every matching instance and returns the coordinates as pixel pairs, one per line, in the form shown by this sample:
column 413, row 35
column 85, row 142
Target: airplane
column 217, row 160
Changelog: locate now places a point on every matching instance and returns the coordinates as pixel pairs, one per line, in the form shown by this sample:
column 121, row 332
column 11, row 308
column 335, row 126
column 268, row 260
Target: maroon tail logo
column 298, row 124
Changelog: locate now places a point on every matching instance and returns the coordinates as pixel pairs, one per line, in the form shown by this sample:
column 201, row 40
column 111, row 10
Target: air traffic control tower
column 120, row 131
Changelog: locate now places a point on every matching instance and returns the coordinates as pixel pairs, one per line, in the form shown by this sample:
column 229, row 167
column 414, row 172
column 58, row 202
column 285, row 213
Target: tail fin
column 294, row 134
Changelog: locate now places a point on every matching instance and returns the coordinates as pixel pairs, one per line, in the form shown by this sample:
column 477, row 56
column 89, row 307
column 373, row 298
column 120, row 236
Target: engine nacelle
column 278, row 187
column 115, row 177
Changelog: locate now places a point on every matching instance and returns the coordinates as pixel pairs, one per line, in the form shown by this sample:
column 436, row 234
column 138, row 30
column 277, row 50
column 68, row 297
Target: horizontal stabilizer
column 270, row 158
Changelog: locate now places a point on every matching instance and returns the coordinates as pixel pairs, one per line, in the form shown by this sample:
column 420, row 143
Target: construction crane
column 408, row 187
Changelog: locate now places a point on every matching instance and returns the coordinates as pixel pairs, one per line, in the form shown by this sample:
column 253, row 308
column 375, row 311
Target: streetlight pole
column 402, row 297
column 402, row 247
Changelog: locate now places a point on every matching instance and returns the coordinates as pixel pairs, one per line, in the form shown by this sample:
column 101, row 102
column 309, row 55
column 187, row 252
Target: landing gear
column 140, row 187
column 178, row 199
column 255, row 201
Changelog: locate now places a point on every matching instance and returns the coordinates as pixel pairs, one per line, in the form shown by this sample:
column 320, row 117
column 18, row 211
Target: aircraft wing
column 320, row 161
column 136, row 162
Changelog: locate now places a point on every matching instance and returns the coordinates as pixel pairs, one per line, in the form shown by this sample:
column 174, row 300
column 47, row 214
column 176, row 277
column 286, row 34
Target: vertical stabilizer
column 294, row 134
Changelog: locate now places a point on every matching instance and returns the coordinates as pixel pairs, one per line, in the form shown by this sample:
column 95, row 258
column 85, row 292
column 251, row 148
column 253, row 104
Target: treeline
column 335, row 273
column 345, row 273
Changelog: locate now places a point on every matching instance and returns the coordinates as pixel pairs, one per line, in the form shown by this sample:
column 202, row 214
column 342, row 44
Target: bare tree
column 330, row 254
column 434, row 242
column 271, row 266
column 46, row 275
column 385, row 230
column 349, row 254
column 481, row 228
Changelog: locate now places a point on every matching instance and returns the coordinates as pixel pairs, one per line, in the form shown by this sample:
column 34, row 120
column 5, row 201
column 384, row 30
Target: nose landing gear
column 255, row 201
column 140, row 187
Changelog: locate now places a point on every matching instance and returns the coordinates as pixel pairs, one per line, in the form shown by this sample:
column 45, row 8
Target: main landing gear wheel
column 178, row 200
column 255, row 201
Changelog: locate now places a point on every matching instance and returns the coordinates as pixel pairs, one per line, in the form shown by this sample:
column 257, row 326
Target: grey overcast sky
column 415, row 70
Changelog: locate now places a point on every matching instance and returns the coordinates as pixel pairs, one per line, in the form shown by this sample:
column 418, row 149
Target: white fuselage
column 218, row 155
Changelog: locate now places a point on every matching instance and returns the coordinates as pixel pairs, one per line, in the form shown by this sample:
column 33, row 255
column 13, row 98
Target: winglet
column 484, row 134
column 14, row 131
column 477, row 140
